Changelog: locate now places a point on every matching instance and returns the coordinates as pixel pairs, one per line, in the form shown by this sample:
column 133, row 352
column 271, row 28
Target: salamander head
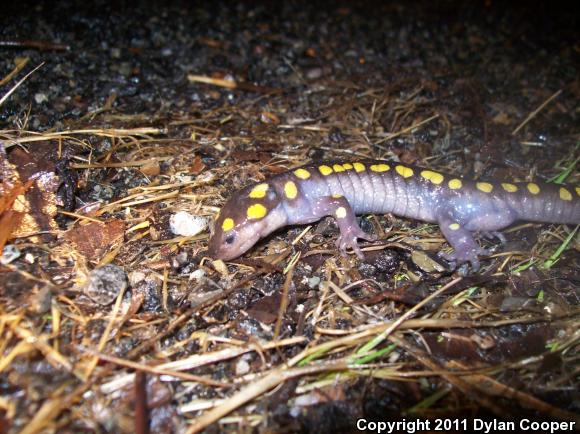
column 247, row 216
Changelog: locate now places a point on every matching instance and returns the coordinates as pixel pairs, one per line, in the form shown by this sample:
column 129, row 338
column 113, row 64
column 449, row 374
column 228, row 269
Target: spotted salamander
column 345, row 189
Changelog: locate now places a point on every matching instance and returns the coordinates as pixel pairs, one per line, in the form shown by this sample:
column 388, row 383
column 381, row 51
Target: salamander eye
column 229, row 239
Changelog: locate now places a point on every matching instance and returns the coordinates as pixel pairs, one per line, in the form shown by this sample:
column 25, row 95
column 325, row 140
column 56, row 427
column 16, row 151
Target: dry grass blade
column 221, row 82
column 533, row 114
column 464, row 386
column 258, row 388
column 20, row 64
column 489, row 386
column 106, row 334
column 41, row 344
column 52, row 407
column 17, row 85
column 13, row 138
column 198, row 360
column 284, row 299
column 406, row 130
column 159, row 370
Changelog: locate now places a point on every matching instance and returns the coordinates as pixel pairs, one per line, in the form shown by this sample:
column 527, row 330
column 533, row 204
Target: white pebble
column 183, row 223
column 9, row 254
column 40, row 98
column 197, row 274
column 242, row 367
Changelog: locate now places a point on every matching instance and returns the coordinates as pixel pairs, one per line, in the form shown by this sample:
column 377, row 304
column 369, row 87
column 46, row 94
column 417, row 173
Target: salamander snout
column 245, row 218
column 228, row 241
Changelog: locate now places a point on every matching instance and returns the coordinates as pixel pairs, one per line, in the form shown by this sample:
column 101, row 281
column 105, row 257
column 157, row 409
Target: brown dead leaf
column 151, row 169
column 28, row 192
column 94, row 239
column 9, row 221
column 197, row 166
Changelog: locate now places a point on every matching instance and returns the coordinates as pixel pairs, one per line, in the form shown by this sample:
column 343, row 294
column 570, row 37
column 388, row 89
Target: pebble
column 105, row 283
column 9, row 254
column 183, row 223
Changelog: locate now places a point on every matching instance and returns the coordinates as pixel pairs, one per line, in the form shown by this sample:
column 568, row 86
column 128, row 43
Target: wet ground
column 139, row 111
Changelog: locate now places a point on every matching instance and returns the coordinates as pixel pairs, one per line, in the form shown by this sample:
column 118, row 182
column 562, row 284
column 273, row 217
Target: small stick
column 141, row 409
column 535, row 112
column 232, row 84
column 39, row 45
column 17, row 85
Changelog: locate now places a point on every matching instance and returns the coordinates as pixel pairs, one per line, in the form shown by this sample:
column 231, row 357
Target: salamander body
column 345, row 189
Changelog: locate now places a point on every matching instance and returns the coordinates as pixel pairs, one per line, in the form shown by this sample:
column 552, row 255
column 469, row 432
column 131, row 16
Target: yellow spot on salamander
column 338, row 168
column 325, row 170
column 302, row 173
column 510, row 188
column 454, row 226
column 259, row 191
column 565, row 194
column 228, row 224
column 256, row 211
column 486, row 187
column 455, row 184
column 578, row 191
column 405, row 172
column 533, row 188
column 337, row 196
column 340, row 212
column 347, row 166
column 359, row 167
column 434, row 177
column 380, row 167
column 290, row 190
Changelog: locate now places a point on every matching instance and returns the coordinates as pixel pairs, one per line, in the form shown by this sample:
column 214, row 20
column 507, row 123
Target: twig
column 406, row 130
column 17, row 68
column 232, row 84
column 17, row 85
column 253, row 390
column 39, row 45
column 535, row 112
column 141, row 409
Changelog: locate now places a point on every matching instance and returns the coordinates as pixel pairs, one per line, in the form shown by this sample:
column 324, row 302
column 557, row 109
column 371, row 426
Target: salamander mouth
column 218, row 250
column 212, row 249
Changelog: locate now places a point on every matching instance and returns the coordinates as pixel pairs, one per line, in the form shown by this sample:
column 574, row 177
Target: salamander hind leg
column 339, row 208
column 461, row 239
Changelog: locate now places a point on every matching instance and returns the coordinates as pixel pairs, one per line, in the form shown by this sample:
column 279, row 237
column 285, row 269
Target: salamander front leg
column 339, row 208
column 466, row 248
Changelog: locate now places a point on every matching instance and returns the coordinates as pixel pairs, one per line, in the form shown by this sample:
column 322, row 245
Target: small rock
column 9, row 254
column 314, row 73
column 40, row 97
column 105, row 283
column 242, row 367
column 313, row 282
column 183, row 223
column 197, row 274
column 135, row 277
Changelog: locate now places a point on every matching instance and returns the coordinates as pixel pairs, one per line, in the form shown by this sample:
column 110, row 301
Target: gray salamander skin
column 346, row 189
